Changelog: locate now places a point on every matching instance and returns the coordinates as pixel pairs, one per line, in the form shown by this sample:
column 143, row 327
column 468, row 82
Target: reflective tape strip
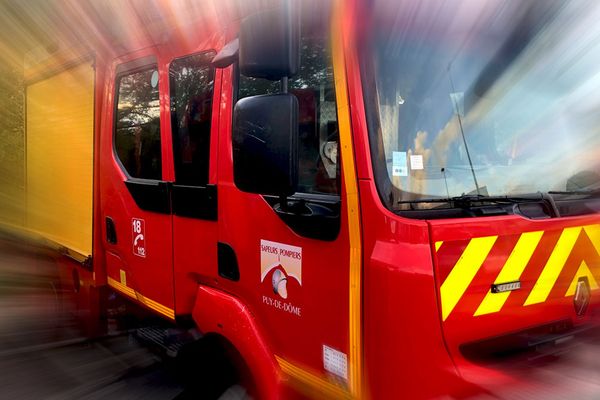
column 583, row 270
column 438, row 245
column 166, row 311
column 123, row 276
column 511, row 271
column 554, row 266
column 120, row 287
column 355, row 348
column 464, row 271
column 315, row 386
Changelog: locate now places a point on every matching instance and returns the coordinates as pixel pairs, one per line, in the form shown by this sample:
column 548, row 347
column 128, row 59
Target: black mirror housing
column 269, row 44
column 265, row 150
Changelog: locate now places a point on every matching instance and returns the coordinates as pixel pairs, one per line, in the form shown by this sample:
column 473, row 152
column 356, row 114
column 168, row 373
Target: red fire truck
column 358, row 199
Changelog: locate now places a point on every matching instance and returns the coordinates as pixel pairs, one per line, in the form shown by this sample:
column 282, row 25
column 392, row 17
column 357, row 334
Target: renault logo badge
column 582, row 296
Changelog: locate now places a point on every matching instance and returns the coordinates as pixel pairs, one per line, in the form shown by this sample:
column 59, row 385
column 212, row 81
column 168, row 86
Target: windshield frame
column 388, row 192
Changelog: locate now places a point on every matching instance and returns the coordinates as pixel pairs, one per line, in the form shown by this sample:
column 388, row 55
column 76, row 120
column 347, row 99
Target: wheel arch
column 224, row 319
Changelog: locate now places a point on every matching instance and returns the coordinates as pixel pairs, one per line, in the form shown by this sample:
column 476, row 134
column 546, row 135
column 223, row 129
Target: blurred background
column 45, row 349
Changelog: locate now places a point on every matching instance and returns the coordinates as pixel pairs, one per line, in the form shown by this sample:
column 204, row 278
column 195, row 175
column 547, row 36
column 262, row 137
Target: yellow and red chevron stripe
column 547, row 263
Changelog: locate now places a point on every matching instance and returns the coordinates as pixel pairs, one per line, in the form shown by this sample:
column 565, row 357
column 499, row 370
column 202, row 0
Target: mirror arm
column 283, row 199
column 283, row 203
column 228, row 54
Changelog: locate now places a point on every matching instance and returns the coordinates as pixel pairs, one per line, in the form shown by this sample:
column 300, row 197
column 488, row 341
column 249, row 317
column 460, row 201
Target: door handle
column 227, row 262
column 111, row 232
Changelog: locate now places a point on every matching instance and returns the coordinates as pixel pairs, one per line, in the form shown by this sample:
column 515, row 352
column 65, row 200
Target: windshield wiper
column 476, row 198
column 579, row 192
column 467, row 200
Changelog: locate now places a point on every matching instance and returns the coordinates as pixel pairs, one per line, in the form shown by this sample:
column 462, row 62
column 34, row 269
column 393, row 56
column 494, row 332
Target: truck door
column 193, row 193
column 294, row 260
column 134, row 191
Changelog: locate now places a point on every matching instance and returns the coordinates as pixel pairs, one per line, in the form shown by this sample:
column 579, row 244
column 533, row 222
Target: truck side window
column 191, row 84
column 318, row 130
column 137, row 128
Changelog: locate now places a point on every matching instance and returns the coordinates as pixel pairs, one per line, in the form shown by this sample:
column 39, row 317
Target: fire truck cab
column 357, row 199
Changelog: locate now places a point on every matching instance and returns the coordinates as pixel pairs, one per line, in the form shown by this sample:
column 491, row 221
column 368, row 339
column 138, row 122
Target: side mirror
column 265, row 150
column 269, row 44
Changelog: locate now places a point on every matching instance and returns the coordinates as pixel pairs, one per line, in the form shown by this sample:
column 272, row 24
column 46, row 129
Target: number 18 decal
column 139, row 237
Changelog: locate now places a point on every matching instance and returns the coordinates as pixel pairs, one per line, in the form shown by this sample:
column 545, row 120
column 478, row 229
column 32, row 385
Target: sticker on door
column 139, row 237
column 281, row 276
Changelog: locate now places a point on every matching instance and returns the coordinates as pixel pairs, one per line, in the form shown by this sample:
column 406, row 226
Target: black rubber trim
column 198, row 202
column 150, row 195
column 308, row 215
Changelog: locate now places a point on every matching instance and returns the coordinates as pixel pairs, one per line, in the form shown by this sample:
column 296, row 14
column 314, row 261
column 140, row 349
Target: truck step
column 168, row 341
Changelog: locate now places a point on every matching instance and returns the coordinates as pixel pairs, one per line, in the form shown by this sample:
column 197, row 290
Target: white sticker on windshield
column 416, row 162
column 399, row 163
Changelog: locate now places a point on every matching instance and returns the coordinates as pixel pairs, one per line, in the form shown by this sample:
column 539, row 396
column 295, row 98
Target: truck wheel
column 212, row 369
column 235, row 392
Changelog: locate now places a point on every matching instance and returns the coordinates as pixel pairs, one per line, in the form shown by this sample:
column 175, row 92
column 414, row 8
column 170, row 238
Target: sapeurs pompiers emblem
column 281, row 267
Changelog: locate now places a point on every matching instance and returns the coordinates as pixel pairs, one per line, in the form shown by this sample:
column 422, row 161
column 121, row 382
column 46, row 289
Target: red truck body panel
column 412, row 322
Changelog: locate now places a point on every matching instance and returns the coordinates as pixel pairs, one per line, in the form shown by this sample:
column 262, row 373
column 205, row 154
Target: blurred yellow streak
column 59, row 154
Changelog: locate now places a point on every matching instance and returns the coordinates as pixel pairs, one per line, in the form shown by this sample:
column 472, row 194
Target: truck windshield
column 483, row 98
